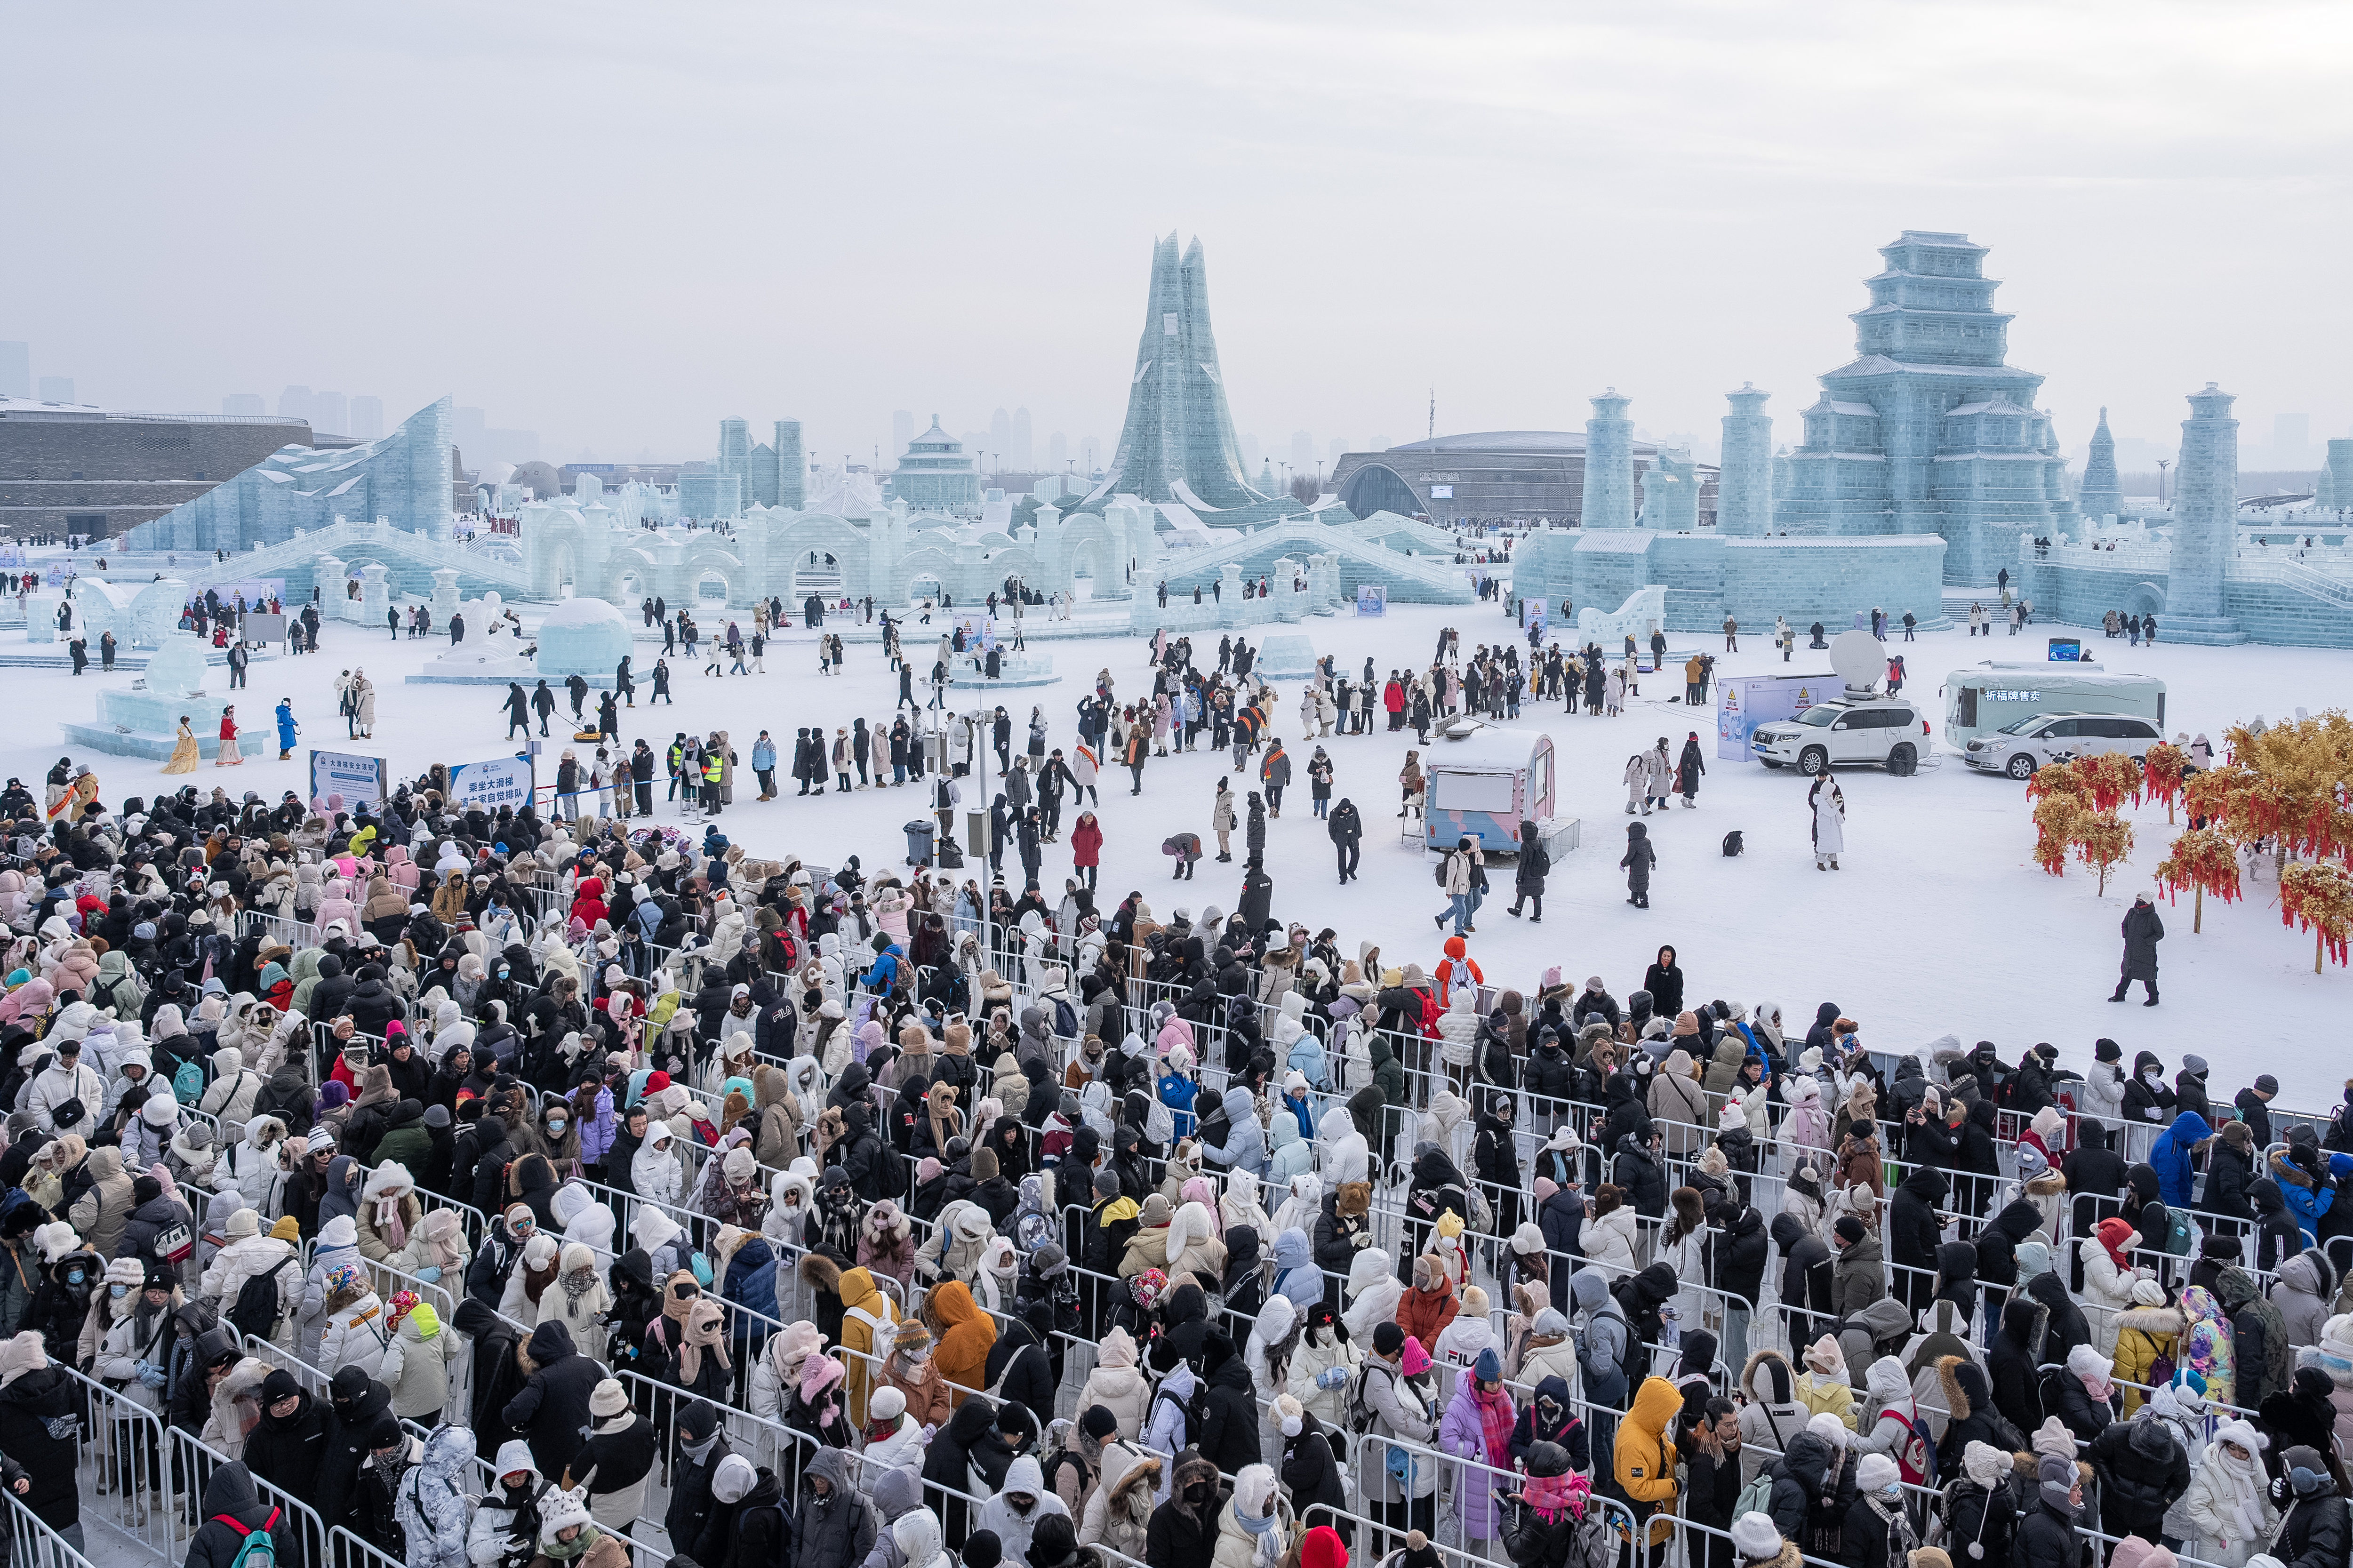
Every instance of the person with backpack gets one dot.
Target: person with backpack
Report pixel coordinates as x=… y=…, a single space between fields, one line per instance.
x=1642 y=1464
x=1383 y=1405
x=1976 y=1520
x=240 y=1530
x=1898 y=1430
x=434 y=1505
x=255 y=1281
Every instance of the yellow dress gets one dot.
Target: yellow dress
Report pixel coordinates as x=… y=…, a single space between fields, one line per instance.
x=184 y=756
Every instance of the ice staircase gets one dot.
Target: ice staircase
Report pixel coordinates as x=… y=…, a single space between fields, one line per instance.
x=411 y=559
x=1410 y=579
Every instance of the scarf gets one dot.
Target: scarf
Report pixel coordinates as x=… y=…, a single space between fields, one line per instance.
x=1548 y=1494
x=563 y=1551
x=1496 y=1419
x=2243 y=1481
x=578 y=1283
x=388 y=1223
x=1268 y=1546
x=702 y=1335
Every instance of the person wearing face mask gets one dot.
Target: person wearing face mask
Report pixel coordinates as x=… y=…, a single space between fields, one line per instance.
x=391 y=1452
x=1014 y=1512
x=288 y=1444
x=1184 y=1529
x=2148 y=1106
x=135 y=1314
x=1879 y=1532
x=2046 y=1537
x=554 y=1133
x=505 y=1530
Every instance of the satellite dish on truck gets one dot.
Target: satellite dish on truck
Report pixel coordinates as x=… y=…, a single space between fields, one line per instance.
x=1860 y=659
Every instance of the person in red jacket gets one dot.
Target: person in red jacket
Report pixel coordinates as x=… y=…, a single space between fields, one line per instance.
x=1086 y=847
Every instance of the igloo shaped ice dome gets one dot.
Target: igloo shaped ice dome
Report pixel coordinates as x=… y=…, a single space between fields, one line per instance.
x=582 y=636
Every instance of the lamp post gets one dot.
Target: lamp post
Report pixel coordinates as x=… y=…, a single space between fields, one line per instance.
x=2161 y=462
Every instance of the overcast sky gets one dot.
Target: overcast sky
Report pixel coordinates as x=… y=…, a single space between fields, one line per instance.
x=617 y=225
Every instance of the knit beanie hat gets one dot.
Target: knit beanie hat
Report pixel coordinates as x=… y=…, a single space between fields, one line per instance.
x=1754 y=1538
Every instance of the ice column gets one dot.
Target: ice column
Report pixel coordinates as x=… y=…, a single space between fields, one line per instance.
x=1743 y=502
x=1609 y=464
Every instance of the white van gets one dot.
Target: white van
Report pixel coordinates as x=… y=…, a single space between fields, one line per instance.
x=1984 y=699
x=2039 y=740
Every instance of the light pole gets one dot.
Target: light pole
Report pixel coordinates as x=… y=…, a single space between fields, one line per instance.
x=2161 y=462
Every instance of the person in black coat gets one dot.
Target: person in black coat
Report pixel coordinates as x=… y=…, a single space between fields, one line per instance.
x=2046 y=1537
x=753 y=1528
x=948 y=1461
x=497 y=1378
x=1664 y=981
x=2143 y=1472
x=2314 y=1531
x=1560 y=1214
x=1737 y=1250
x=2277 y=1235
x=553 y=1407
x=1813 y=1485
x=1229 y=1428
x=2142 y=932
x=1807 y=1276
x=288 y=1446
x=1639 y=1173
x=1018 y=1358
x=1913 y=1231
x=1711 y=1454
x=231 y=1493
x=701 y=1444
x=1184 y=1529
x=2012 y=1358
x=1550 y=1416
x=2230 y=1173
x=1310 y=1473
x=2063 y=1324
x=39 y=1432
x=355 y=1402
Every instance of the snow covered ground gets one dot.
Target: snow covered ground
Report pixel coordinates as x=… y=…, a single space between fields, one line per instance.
x=1940 y=923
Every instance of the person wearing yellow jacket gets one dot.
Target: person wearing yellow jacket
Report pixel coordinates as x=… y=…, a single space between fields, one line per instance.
x=868 y=1322
x=1642 y=1467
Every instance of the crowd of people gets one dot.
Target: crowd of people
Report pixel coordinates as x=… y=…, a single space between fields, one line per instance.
x=510 y=1191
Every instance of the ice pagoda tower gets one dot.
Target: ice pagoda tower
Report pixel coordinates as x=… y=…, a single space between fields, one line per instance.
x=2205 y=518
x=1744 y=501
x=1608 y=499
x=1179 y=442
x=1927 y=430
x=2099 y=496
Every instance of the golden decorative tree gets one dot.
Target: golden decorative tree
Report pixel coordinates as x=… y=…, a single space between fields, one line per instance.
x=2319 y=894
x=2204 y=861
x=2162 y=773
x=2104 y=840
x=2055 y=817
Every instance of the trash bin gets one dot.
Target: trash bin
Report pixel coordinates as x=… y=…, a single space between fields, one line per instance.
x=919 y=842
x=975 y=832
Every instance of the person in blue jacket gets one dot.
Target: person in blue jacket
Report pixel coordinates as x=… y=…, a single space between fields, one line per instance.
x=287 y=727
x=2170 y=1155
x=883 y=977
x=1178 y=1088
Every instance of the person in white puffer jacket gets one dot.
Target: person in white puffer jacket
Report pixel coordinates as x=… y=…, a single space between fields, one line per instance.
x=235 y=1086
x=356 y=1325
x=1322 y=1354
x=251 y=1253
x=338 y=1244
x=901 y=1445
x=252 y=1165
x=654 y=1169
x=1117 y=1385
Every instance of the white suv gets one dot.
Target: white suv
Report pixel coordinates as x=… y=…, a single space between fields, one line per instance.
x=2035 y=742
x=1885 y=732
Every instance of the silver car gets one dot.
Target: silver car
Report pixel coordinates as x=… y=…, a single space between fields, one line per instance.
x=2023 y=748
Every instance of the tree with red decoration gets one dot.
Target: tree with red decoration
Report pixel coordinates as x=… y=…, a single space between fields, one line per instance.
x=2104 y=840
x=2204 y=861
x=2161 y=774
x=2319 y=894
